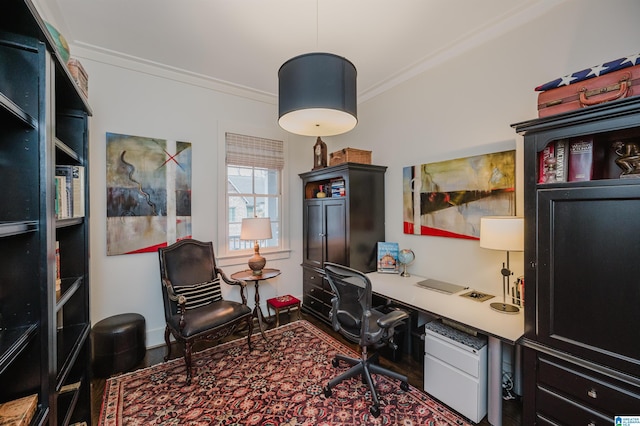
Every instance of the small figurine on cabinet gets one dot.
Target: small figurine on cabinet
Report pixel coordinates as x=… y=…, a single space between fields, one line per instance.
x=628 y=158
x=319 y=155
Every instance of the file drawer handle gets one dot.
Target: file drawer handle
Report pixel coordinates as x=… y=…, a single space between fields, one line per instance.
x=592 y=393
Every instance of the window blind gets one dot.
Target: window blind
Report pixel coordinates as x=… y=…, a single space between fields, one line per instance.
x=251 y=151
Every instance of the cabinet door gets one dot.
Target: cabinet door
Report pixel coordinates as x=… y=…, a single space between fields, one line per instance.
x=313 y=233
x=335 y=232
x=587 y=273
x=324 y=232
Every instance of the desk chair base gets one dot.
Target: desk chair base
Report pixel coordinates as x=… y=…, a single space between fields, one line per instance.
x=365 y=367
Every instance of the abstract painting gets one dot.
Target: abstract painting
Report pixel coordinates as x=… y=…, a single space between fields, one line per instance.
x=148 y=193
x=448 y=198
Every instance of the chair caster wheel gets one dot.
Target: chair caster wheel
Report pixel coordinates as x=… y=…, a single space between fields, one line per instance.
x=335 y=362
x=404 y=386
x=327 y=391
x=375 y=411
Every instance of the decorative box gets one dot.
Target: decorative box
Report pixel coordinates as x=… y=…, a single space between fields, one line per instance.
x=79 y=75
x=350 y=155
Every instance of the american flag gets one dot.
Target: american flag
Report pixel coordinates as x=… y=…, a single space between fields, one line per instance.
x=595 y=71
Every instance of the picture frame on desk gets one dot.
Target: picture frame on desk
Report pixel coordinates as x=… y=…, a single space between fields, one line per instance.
x=387 y=259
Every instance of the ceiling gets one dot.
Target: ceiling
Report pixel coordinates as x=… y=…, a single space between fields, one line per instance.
x=242 y=43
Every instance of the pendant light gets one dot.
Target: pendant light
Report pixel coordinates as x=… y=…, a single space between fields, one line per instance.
x=317 y=95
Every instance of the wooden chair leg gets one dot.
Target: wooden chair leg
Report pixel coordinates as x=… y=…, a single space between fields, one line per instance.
x=187 y=360
x=167 y=340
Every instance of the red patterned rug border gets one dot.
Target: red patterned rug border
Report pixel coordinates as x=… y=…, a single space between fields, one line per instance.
x=111 y=413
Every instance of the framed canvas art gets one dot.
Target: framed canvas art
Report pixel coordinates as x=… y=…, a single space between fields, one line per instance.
x=448 y=198
x=148 y=193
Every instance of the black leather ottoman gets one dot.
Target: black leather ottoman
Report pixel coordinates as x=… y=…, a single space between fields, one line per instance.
x=118 y=343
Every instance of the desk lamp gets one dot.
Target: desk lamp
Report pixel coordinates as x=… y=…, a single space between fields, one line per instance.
x=256 y=228
x=503 y=233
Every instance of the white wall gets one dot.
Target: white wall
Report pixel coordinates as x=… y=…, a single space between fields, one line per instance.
x=130 y=99
x=463 y=107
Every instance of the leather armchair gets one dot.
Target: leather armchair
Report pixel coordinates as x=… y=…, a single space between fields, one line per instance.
x=353 y=316
x=193 y=305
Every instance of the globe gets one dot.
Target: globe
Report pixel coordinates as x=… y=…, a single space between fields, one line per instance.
x=406 y=257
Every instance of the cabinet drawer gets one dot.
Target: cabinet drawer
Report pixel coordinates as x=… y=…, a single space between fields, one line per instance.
x=316 y=305
x=567 y=412
x=315 y=285
x=463 y=359
x=319 y=294
x=314 y=277
x=577 y=384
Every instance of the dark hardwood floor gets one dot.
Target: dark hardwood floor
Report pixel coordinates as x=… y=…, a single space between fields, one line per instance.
x=407 y=365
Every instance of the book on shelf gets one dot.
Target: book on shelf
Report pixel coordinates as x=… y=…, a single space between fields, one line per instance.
x=58 y=276
x=388 y=257
x=547 y=164
x=78 y=190
x=562 y=160
x=18 y=412
x=582 y=160
x=66 y=197
x=61 y=206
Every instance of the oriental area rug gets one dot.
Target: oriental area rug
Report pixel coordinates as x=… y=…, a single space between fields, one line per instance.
x=276 y=384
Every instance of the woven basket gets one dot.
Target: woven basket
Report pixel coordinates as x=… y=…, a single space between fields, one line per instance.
x=350 y=155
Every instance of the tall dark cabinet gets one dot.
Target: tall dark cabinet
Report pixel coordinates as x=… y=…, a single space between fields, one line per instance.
x=343 y=227
x=582 y=291
x=44 y=330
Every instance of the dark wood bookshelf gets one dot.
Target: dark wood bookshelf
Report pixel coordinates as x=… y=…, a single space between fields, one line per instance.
x=44 y=335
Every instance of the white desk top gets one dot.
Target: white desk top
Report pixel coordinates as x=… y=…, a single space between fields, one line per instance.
x=474 y=314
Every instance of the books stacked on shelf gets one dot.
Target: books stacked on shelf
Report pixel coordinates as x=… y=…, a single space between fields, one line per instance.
x=337 y=188
x=69 y=183
x=569 y=160
x=388 y=257
x=517 y=292
x=18 y=412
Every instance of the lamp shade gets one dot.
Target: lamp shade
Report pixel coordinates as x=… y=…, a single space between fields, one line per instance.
x=317 y=95
x=502 y=233
x=256 y=228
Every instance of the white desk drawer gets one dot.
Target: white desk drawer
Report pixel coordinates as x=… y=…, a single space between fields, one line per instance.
x=461 y=357
x=463 y=393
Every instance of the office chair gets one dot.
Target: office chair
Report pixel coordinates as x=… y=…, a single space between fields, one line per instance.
x=352 y=315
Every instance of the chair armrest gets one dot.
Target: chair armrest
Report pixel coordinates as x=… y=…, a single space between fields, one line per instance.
x=241 y=283
x=392 y=318
x=180 y=300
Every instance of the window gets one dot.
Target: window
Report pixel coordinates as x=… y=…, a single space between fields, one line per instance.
x=253 y=187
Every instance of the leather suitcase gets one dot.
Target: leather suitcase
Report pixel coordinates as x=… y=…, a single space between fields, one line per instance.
x=605 y=88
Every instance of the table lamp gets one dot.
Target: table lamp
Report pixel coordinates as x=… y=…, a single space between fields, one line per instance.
x=256 y=228
x=503 y=233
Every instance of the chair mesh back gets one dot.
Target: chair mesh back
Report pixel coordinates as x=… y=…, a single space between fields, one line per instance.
x=353 y=291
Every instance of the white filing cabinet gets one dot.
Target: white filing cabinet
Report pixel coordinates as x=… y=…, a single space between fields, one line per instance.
x=455 y=369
